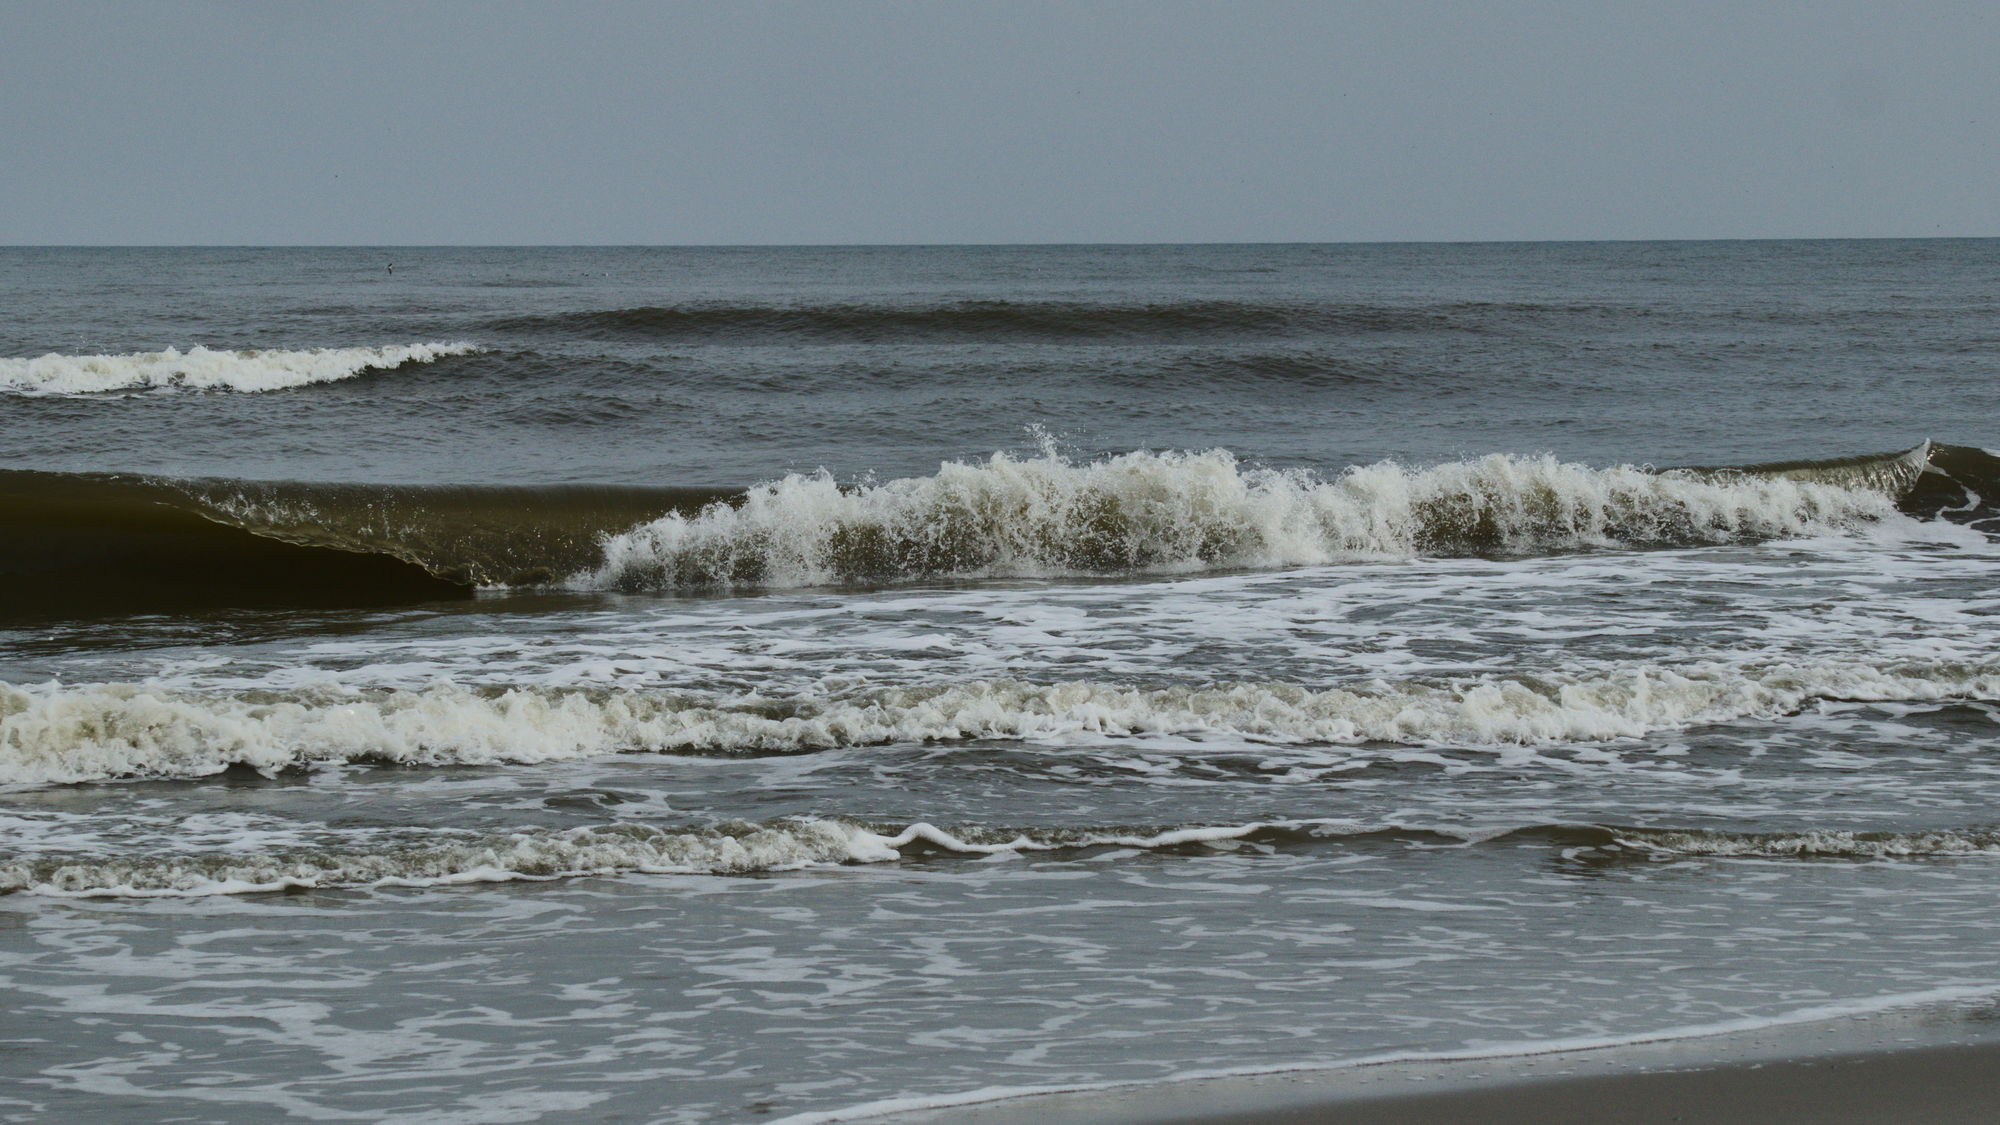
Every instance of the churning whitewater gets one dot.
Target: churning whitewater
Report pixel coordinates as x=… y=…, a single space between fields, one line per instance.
x=55 y=733
x=200 y=369
x=1174 y=513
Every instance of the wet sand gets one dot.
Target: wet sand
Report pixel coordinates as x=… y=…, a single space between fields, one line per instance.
x=1926 y=1086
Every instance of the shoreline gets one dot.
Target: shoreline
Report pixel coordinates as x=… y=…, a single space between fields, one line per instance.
x=1933 y=1064
x=1951 y=1085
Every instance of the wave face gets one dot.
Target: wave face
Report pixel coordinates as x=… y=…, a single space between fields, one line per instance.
x=200 y=369
x=1164 y=513
x=51 y=734
x=91 y=543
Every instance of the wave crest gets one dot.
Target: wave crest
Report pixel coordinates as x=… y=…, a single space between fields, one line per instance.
x=202 y=369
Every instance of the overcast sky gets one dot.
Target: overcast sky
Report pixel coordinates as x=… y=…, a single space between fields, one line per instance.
x=942 y=121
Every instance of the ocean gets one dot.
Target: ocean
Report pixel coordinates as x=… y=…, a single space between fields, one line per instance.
x=749 y=684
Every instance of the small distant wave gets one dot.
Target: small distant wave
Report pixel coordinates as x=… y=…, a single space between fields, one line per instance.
x=56 y=733
x=1007 y=321
x=198 y=368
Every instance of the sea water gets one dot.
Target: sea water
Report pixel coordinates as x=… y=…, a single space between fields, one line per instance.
x=702 y=685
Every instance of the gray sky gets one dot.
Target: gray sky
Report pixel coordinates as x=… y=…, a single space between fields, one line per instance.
x=942 y=121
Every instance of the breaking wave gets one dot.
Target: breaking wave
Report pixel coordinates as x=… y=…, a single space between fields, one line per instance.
x=115 y=543
x=54 y=733
x=1166 y=513
x=198 y=368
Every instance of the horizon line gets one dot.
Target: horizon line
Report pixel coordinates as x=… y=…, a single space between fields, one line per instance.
x=959 y=245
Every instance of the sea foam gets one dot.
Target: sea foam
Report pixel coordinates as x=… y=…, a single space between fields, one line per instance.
x=54 y=733
x=199 y=368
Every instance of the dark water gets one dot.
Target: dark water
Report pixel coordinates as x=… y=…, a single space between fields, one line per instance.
x=724 y=684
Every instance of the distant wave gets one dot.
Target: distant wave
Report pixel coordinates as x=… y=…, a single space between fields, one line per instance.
x=433 y=857
x=1010 y=321
x=1082 y=321
x=113 y=543
x=55 y=733
x=201 y=369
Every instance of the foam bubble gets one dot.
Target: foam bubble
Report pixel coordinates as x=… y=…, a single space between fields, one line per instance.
x=201 y=369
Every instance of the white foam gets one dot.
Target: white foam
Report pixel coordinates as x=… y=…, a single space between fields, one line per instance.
x=1183 y=512
x=53 y=733
x=201 y=369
